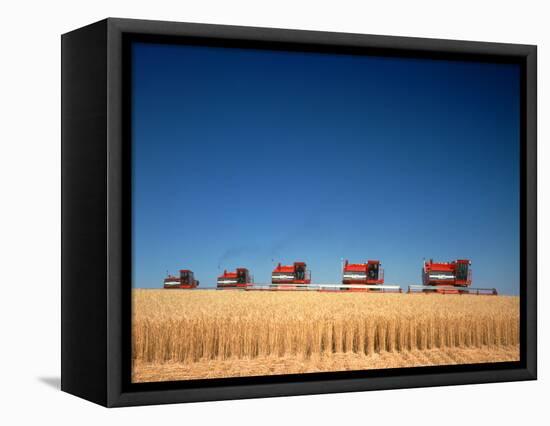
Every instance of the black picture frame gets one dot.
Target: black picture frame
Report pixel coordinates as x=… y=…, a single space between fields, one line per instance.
x=96 y=214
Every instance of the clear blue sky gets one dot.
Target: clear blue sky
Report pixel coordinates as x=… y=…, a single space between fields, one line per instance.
x=248 y=157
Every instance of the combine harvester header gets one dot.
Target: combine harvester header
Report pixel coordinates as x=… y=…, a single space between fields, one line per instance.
x=448 y=278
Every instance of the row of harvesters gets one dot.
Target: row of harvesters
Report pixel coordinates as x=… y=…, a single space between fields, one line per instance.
x=437 y=277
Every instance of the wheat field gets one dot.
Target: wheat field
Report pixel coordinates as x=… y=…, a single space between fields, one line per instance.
x=179 y=334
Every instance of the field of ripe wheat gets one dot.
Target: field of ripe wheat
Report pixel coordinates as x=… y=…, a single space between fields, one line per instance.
x=178 y=334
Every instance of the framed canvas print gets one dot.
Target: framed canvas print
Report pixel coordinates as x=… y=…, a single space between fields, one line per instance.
x=254 y=212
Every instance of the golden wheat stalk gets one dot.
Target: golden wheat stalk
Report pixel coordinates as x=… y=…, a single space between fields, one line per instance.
x=188 y=326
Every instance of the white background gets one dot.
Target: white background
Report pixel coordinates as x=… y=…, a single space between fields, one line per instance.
x=30 y=210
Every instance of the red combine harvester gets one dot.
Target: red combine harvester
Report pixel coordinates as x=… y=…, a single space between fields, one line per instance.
x=449 y=278
x=368 y=273
x=287 y=276
x=368 y=276
x=241 y=278
x=186 y=280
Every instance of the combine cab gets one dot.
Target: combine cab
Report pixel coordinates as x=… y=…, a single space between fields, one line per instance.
x=287 y=276
x=241 y=278
x=186 y=280
x=361 y=274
